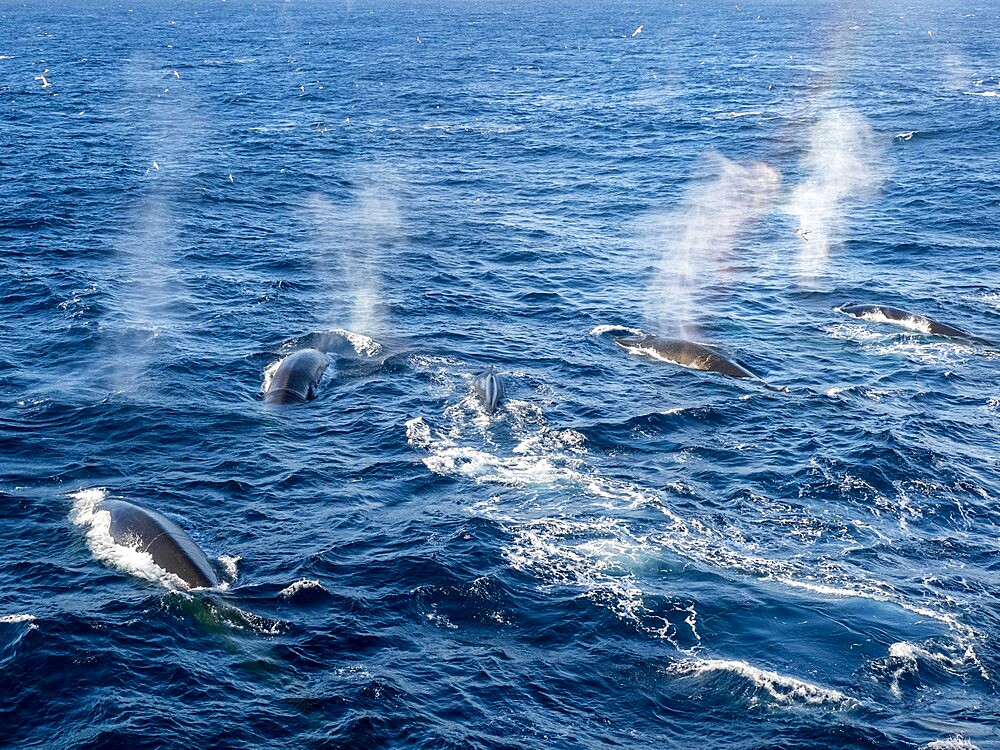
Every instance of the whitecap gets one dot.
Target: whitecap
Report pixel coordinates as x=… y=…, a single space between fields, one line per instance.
x=303 y=584
x=440 y=620
x=950 y=743
x=603 y=329
x=10 y=619
x=735 y=115
x=991 y=298
x=781 y=688
x=904 y=659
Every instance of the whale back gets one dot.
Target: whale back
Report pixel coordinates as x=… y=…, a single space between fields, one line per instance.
x=296 y=378
x=166 y=542
x=489 y=389
x=684 y=353
x=906 y=319
x=886 y=313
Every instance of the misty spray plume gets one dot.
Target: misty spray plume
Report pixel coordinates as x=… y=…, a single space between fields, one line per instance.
x=697 y=239
x=146 y=276
x=352 y=238
x=843 y=162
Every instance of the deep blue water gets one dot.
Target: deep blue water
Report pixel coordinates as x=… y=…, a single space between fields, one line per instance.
x=629 y=553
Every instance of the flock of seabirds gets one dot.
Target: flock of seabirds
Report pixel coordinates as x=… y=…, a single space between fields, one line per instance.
x=297 y=377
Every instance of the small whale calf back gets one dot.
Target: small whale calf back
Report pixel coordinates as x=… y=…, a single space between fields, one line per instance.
x=166 y=542
x=297 y=377
x=489 y=389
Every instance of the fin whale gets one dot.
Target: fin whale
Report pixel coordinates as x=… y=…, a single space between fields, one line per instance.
x=689 y=354
x=489 y=389
x=296 y=378
x=166 y=542
x=684 y=353
x=914 y=321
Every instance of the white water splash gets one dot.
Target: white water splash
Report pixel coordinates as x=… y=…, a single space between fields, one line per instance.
x=950 y=743
x=268 y=375
x=654 y=353
x=229 y=565
x=96 y=525
x=912 y=322
x=365 y=346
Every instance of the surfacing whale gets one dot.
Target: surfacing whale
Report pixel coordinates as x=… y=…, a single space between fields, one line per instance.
x=913 y=321
x=296 y=378
x=489 y=389
x=684 y=353
x=166 y=542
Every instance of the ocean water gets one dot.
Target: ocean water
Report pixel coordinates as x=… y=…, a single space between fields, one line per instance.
x=628 y=553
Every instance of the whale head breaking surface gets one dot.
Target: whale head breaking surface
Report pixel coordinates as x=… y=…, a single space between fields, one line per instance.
x=164 y=541
x=297 y=377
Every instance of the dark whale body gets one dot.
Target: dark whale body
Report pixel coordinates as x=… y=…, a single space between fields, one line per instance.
x=166 y=542
x=489 y=389
x=684 y=353
x=885 y=313
x=297 y=376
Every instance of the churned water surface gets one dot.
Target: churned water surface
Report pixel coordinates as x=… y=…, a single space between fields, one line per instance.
x=628 y=553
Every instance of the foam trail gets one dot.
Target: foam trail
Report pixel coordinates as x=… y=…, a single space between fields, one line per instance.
x=843 y=162
x=697 y=238
x=572 y=526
